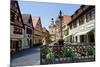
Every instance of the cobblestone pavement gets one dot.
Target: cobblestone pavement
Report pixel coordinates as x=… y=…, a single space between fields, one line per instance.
x=27 y=57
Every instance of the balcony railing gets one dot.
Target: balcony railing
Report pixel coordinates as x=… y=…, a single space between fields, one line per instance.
x=67 y=54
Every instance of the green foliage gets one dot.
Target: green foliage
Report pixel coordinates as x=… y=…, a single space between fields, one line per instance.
x=58 y=54
x=45 y=51
x=66 y=32
x=68 y=52
x=50 y=55
x=89 y=50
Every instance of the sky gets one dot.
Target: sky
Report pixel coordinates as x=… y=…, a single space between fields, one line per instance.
x=46 y=11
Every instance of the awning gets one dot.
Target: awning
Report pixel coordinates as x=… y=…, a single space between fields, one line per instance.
x=82 y=33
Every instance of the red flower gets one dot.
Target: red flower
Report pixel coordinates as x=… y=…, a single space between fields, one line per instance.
x=78 y=49
x=56 y=49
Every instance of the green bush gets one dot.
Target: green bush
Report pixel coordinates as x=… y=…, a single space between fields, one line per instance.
x=89 y=50
x=66 y=32
x=58 y=53
x=45 y=51
x=50 y=55
x=68 y=52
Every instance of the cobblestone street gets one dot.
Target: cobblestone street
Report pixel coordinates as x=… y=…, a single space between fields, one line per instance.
x=26 y=57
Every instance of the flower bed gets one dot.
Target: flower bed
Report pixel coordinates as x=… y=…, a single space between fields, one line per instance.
x=67 y=54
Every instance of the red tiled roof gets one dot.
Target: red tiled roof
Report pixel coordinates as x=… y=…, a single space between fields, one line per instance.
x=66 y=19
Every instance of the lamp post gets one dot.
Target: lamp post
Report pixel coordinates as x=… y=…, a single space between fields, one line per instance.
x=61 y=35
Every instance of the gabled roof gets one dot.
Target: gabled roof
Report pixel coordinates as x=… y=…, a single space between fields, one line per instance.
x=45 y=30
x=65 y=20
x=35 y=20
x=25 y=18
x=19 y=12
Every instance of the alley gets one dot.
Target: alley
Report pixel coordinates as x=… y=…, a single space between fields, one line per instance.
x=26 y=57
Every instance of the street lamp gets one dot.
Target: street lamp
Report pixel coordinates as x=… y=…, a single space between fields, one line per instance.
x=61 y=35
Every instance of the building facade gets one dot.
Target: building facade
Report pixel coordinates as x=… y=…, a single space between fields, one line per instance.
x=54 y=28
x=52 y=31
x=16 y=27
x=65 y=29
x=45 y=39
x=82 y=26
x=65 y=20
x=28 y=36
x=38 y=32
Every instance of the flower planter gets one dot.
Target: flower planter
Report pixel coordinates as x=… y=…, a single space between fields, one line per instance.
x=43 y=61
x=77 y=57
x=61 y=59
x=92 y=56
x=89 y=56
x=86 y=57
x=57 y=59
x=82 y=57
x=64 y=59
x=66 y=54
x=68 y=60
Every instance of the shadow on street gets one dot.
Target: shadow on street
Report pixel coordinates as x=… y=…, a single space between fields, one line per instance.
x=25 y=52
